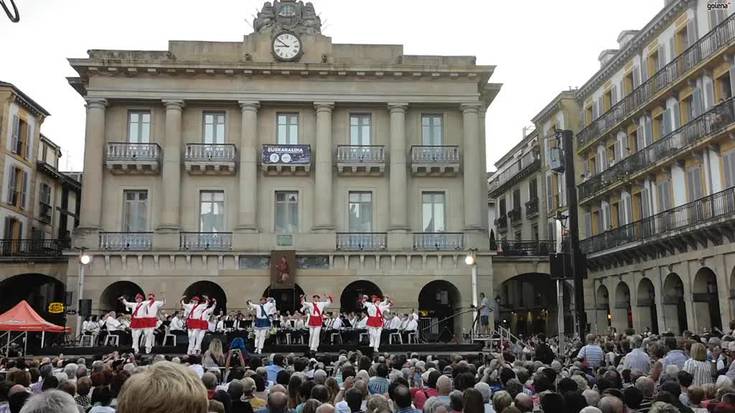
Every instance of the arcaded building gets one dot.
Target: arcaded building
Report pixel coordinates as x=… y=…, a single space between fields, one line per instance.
x=206 y=163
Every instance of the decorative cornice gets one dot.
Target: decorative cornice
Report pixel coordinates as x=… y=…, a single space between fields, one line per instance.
x=554 y=105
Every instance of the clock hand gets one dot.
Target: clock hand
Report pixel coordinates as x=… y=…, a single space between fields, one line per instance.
x=281 y=42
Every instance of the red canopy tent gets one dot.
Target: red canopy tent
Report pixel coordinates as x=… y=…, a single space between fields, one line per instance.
x=22 y=318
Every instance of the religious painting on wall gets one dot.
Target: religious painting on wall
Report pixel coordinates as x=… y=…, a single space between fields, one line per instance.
x=283 y=269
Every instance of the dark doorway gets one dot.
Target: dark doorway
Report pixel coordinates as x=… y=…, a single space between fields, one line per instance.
x=351 y=294
x=438 y=301
x=38 y=290
x=286 y=299
x=211 y=290
x=109 y=300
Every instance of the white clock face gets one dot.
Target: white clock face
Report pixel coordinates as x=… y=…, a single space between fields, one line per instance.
x=286 y=46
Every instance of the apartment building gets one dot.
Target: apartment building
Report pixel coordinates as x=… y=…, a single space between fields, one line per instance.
x=38 y=207
x=656 y=190
x=360 y=165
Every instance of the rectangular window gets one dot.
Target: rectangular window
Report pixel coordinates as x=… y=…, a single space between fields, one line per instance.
x=501 y=207
x=211 y=211
x=139 y=126
x=19 y=137
x=361 y=211
x=431 y=129
x=681 y=40
x=663 y=190
x=135 y=211
x=287 y=212
x=694 y=184
x=516 y=199
x=287 y=125
x=658 y=126
x=534 y=232
x=646 y=203
x=17 y=182
x=433 y=212
x=214 y=127
x=728 y=161
x=532 y=189
x=360 y=125
x=44 y=201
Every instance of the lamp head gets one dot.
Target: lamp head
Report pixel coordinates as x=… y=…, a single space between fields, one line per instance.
x=85 y=259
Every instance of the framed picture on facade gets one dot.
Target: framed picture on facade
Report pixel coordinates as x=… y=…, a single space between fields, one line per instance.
x=283 y=269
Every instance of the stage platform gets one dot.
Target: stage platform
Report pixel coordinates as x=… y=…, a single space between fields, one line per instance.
x=421 y=349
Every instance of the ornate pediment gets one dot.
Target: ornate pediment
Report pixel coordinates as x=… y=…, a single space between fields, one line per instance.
x=291 y=15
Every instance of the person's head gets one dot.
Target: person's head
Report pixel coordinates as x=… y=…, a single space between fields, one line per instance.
x=574 y=402
x=632 y=397
x=377 y=404
x=163 y=387
x=523 y=402
x=209 y=380
x=381 y=370
x=353 y=397
x=401 y=396
x=311 y=405
x=698 y=352
x=68 y=387
x=102 y=395
x=501 y=400
x=444 y=385
x=320 y=392
x=325 y=408
x=277 y=402
x=695 y=395
x=591 y=396
x=50 y=383
x=456 y=400
x=473 y=401
x=482 y=295
x=611 y=404
x=138 y=297
x=484 y=390
x=685 y=378
x=646 y=385
x=591 y=338
x=52 y=401
x=234 y=389
x=320 y=376
x=71 y=371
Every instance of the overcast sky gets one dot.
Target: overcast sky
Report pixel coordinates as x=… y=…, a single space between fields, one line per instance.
x=540 y=47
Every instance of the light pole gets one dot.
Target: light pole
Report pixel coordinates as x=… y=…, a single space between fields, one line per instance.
x=471 y=260
x=84 y=259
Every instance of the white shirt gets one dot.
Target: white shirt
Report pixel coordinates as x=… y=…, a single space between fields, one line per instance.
x=395 y=323
x=412 y=325
x=298 y=324
x=308 y=307
x=337 y=324
x=112 y=324
x=372 y=309
x=177 y=324
x=362 y=323
x=269 y=307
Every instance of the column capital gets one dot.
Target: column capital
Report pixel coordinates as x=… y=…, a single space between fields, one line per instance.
x=95 y=103
x=471 y=107
x=324 y=106
x=176 y=104
x=248 y=105
x=397 y=107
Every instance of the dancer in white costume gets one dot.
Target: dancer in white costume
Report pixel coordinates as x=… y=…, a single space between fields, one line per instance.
x=197 y=315
x=151 y=309
x=376 y=318
x=315 y=310
x=263 y=313
x=138 y=320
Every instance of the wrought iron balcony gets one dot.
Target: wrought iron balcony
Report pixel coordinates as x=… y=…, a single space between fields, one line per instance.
x=206 y=241
x=31 y=248
x=709 y=45
x=361 y=241
x=706 y=217
x=361 y=160
x=438 y=241
x=517 y=170
x=501 y=223
x=210 y=159
x=126 y=241
x=133 y=158
x=515 y=216
x=696 y=131
x=532 y=208
x=435 y=160
x=537 y=248
x=286 y=159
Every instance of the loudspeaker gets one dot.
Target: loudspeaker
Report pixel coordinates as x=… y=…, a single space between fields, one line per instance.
x=85 y=307
x=68 y=298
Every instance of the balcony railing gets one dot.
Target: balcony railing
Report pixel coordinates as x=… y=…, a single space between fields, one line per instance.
x=32 y=247
x=515 y=216
x=532 y=208
x=537 y=248
x=710 y=122
x=438 y=241
x=719 y=37
x=133 y=152
x=361 y=241
x=501 y=223
x=517 y=170
x=126 y=241
x=361 y=159
x=206 y=241
x=206 y=152
x=709 y=209
x=435 y=160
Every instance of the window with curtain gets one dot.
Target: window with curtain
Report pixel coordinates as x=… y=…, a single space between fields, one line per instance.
x=361 y=211
x=431 y=129
x=214 y=127
x=287 y=212
x=433 y=212
x=139 y=126
x=360 y=124
x=211 y=211
x=287 y=128
x=135 y=211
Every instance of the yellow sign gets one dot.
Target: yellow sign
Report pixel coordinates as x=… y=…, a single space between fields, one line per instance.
x=56 y=308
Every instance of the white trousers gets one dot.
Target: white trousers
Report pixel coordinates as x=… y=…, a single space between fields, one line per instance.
x=195 y=341
x=148 y=339
x=314 y=333
x=374 y=333
x=136 y=332
x=260 y=334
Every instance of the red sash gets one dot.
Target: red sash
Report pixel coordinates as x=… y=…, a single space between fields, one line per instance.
x=315 y=320
x=135 y=321
x=377 y=320
x=150 y=322
x=192 y=323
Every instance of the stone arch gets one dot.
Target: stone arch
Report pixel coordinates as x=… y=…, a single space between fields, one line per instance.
x=646 y=313
x=211 y=290
x=37 y=289
x=705 y=299
x=602 y=310
x=674 y=308
x=622 y=314
x=109 y=298
x=528 y=305
x=439 y=300
x=351 y=293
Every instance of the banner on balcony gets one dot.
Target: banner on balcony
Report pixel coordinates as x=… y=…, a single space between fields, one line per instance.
x=286 y=154
x=283 y=269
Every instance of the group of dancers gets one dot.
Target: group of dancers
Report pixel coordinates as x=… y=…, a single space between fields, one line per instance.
x=197 y=312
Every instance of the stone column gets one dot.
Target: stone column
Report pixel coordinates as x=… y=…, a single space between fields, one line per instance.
x=398 y=174
x=171 y=170
x=94 y=144
x=323 y=188
x=472 y=173
x=248 y=189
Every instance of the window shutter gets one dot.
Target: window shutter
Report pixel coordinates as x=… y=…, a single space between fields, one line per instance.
x=628 y=216
x=696 y=102
x=676 y=116
x=640 y=137
x=637 y=77
x=600 y=107
x=29 y=141
x=672 y=50
x=644 y=71
x=22 y=187
x=709 y=96
x=691 y=34
x=645 y=203
x=605 y=216
x=667 y=122
x=732 y=84
x=588 y=224
x=661 y=57
x=621 y=91
x=613 y=95
x=11 y=186
x=549 y=191
x=649 y=131
x=728 y=162
x=16 y=132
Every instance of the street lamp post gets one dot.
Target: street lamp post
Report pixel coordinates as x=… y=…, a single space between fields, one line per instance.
x=84 y=259
x=471 y=260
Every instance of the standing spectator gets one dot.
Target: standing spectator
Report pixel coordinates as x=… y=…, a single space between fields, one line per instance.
x=698 y=366
x=637 y=359
x=591 y=354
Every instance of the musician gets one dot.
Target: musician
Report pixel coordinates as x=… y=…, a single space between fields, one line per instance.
x=337 y=322
x=315 y=310
x=177 y=323
x=263 y=313
x=376 y=310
